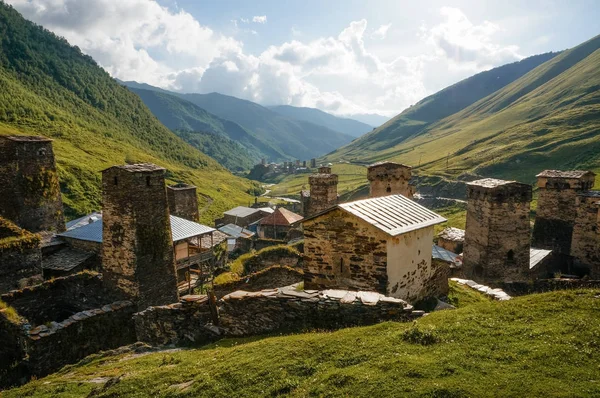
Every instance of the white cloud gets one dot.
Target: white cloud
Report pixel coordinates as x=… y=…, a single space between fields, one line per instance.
x=381 y=32
x=140 y=40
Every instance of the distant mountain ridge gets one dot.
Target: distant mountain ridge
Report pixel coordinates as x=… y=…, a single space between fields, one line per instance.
x=316 y=116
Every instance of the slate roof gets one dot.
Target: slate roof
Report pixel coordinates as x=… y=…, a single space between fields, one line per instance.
x=564 y=174
x=66 y=259
x=236 y=231
x=453 y=234
x=281 y=216
x=241 y=211
x=393 y=214
x=180 y=229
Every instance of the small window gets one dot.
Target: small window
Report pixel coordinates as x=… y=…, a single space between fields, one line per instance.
x=148 y=181
x=341 y=265
x=41 y=152
x=510 y=257
x=116 y=181
x=389 y=190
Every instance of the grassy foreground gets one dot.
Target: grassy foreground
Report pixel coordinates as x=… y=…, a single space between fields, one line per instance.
x=537 y=345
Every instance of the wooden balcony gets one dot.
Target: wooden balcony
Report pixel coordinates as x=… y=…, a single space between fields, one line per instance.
x=195 y=259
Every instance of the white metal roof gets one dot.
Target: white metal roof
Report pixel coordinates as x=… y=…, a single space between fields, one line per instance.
x=241 y=211
x=393 y=214
x=537 y=255
x=180 y=229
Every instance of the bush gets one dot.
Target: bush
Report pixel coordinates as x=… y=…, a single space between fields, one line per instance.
x=416 y=335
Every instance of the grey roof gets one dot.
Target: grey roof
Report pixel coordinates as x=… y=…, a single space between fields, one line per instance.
x=241 y=211
x=564 y=174
x=440 y=253
x=81 y=221
x=536 y=256
x=393 y=214
x=66 y=259
x=236 y=231
x=453 y=234
x=180 y=229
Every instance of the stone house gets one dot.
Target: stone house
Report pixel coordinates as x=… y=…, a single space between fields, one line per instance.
x=243 y=216
x=585 y=246
x=390 y=178
x=380 y=244
x=278 y=224
x=20 y=256
x=452 y=239
x=183 y=201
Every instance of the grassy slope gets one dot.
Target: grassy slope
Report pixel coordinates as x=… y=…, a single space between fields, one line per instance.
x=48 y=87
x=181 y=115
x=549 y=118
x=538 y=345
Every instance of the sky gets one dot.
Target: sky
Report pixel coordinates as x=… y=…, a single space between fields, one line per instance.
x=343 y=57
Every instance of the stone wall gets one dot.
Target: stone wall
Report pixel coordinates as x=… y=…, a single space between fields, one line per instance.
x=137 y=251
x=323 y=193
x=260 y=244
x=51 y=347
x=57 y=299
x=269 y=256
x=182 y=323
x=585 y=246
x=389 y=178
x=12 y=349
x=20 y=259
x=275 y=276
x=183 y=201
x=283 y=310
x=29 y=187
x=497 y=235
x=85 y=245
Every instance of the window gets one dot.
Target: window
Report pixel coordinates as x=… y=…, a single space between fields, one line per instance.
x=388 y=189
x=116 y=181
x=341 y=266
x=148 y=181
x=41 y=152
x=510 y=257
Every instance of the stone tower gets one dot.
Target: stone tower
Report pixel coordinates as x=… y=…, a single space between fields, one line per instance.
x=390 y=178
x=557 y=208
x=183 y=201
x=29 y=189
x=137 y=248
x=323 y=192
x=585 y=245
x=497 y=236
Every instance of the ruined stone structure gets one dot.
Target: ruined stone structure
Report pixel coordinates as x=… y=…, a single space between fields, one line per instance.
x=557 y=207
x=381 y=244
x=183 y=201
x=137 y=251
x=585 y=246
x=20 y=256
x=390 y=178
x=452 y=239
x=268 y=278
x=497 y=236
x=29 y=190
x=323 y=192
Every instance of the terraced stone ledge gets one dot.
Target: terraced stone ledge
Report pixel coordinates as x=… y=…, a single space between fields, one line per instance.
x=496 y=294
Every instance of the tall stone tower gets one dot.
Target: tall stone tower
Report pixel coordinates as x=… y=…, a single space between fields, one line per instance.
x=183 y=201
x=497 y=242
x=390 y=178
x=323 y=192
x=585 y=245
x=29 y=189
x=557 y=207
x=137 y=248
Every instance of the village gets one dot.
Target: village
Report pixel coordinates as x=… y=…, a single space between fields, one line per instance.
x=142 y=268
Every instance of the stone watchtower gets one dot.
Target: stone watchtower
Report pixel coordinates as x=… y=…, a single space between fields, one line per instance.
x=137 y=248
x=29 y=189
x=557 y=207
x=390 y=178
x=323 y=192
x=183 y=201
x=497 y=242
x=585 y=245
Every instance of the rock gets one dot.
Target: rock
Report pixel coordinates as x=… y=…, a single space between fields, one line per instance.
x=369 y=298
x=443 y=306
x=334 y=293
x=349 y=297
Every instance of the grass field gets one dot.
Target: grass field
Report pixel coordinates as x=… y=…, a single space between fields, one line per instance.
x=542 y=345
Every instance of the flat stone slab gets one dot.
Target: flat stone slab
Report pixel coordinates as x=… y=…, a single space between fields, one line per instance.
x=296 y=293
x=335 y=293
x=349 y=297
x=393 y=300
x=369 y=298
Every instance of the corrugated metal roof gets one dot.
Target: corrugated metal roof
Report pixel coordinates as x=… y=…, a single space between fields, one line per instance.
x=81 y=221
x=393 y=214
x=236 y=231
x=537 y=255
x=440 y=253
x=180 y=229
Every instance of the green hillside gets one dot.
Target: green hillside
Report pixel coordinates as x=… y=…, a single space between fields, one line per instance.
x=235 y=148
x=535 y=346
x=48 y=87
x=316 y=116
x=547 y=118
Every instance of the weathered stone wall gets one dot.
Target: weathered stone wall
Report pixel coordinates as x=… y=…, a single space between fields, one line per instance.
x=137 y=252
x=272 y=277
x=183 y=201
x=497 y=236
x=323 y=193
x=279 y=232
x=85 y=245
x=260 y=244
x=267 y=257
x=18 y=262
x=585 y=246
x=246 y=313
x=51 y=347
x=179 y=323
x=342 y=252
x=389 y=178
x=557 y=210
x=452 y=239
x=29 y=188
x=12 y=349
x=57 y=299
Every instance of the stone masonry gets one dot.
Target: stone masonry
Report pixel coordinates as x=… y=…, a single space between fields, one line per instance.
x=183 y=201
x=585 y=246
x=29 y=190
x=20 y=255
x=557 y=207
x=137 y=252
x=497 y=236
x=390 y=178
x=323 y=192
